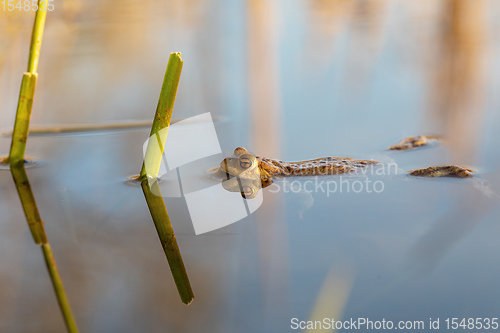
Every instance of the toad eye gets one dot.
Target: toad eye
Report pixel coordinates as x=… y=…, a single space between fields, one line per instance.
x=246 y=161
x=248 y=192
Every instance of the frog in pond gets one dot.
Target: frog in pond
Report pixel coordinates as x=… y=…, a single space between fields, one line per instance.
x=247 y=173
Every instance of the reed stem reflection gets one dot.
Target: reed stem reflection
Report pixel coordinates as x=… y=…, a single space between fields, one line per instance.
x=163 y=226
x=37 y=230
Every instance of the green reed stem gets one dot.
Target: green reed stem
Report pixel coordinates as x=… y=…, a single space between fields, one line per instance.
x=16 y=161
x=62 y=299
x=27 y=93
x=23 y=115
x=149 y=174
x=163 y=116
x=36 y=38
x=168 y=241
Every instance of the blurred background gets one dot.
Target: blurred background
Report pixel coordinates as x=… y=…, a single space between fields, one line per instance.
x=293 y=80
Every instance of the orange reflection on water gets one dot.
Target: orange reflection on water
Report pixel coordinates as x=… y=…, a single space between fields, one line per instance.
x=265 y=113
x=456 y=85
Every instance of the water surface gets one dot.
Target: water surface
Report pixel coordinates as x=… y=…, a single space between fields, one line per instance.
x=290 y=80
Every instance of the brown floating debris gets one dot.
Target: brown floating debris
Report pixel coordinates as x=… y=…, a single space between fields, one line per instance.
x=415 y=141
x=443 y=171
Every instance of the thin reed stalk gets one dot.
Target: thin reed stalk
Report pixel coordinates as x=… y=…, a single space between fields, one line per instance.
x=27 y=91
x=163 y=116
x=23 y=115
x=149 y=174
x=16 y=161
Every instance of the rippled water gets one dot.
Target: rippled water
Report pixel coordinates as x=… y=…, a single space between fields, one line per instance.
x=288 y=80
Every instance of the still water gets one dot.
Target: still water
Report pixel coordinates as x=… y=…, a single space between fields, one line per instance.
x=291 y=80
